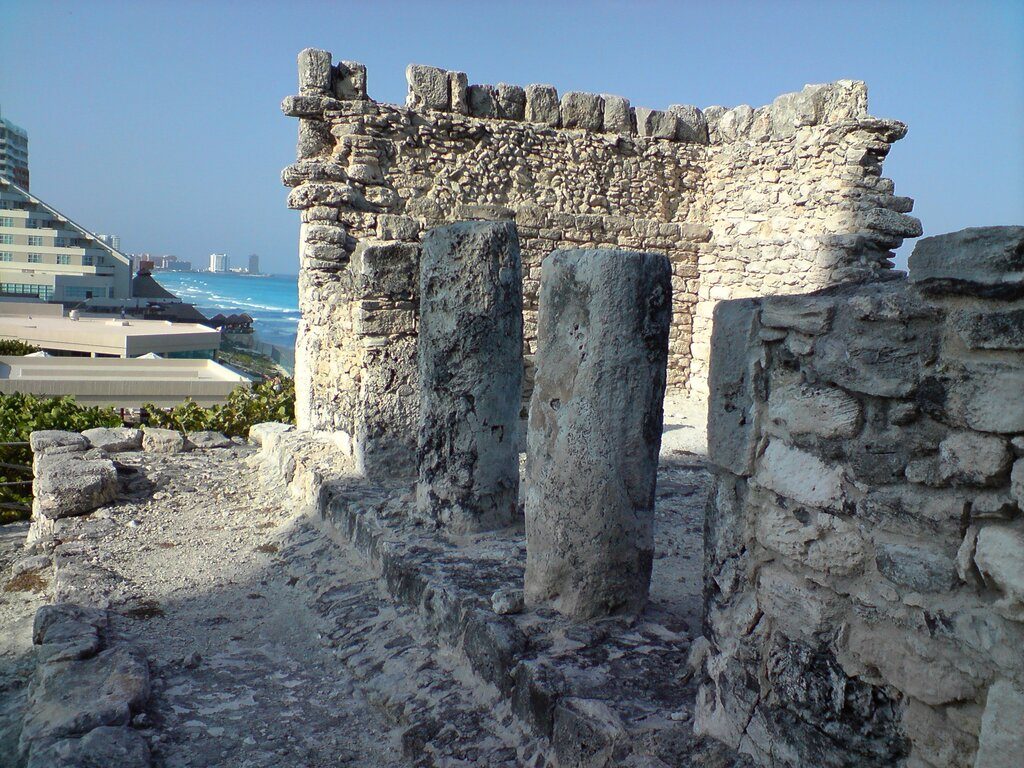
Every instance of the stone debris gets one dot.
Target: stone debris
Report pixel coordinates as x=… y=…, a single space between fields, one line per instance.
x=114 y=439
x=67 y=484
x=595 y=430
x=156 y=440
x=207 y=440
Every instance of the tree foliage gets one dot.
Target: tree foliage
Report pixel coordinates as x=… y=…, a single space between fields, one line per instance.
x=270 y=400
x=15 y=347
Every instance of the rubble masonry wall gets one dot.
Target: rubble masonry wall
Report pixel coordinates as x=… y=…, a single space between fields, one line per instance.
x=864 y=545
x=781 y=199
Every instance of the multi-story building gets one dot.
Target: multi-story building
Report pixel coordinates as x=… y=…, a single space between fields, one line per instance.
x=43 y=254
x=219 y=262
x=254 y=264
x=114 y=241
x=13 y=153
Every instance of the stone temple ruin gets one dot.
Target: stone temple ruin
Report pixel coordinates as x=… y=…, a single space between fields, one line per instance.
x=489 y=254
x=864 y=549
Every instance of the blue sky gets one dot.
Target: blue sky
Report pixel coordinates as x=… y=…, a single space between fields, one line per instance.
x=160 y=121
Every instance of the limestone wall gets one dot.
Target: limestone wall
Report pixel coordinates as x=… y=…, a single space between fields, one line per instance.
x=864 y=553
x=784 y=198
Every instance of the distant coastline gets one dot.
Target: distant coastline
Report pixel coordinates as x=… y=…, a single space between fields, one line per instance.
x=272 y=301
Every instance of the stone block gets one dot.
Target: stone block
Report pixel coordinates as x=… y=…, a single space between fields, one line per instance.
x=999 y=556
x=735 y=123
x=350 y=80
x=542 y=105
x=990 y=330
x=655 y=124
x=1017 y=482
x=891 y=224
x=921 y=568
x=386 y=269
x=734 y=406
x=971 y=458
x=618 y=117
x=44 y=440
x=315 y=139
x=155 y=440
x=799 y=608
x=470 y=374
x=483 y=100
x=1001 y=741
x=691 y=125
x=428 y=88
x=75 y=486
x=800 y=476
x=458 y=86
x=403 y=228
x=510 y=101
x=314 y=71
x=208 y=439
x=582 y=110
x=979 y=261
x=806 y=409
x=595 y=429
x=791 y=111
x=114 y=439
x=806 y=314
x=71 y=699
x=258 y=433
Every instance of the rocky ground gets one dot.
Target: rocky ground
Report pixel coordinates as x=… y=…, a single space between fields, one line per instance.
x=270 y=645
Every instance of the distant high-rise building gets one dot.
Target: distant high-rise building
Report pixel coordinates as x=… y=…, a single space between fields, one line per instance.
x=13 y=153
x=254 y=264
x=219 y=262
x=45 y=255
x=114 y=241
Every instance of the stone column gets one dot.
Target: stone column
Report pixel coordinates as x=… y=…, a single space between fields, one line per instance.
x=595 y=429
x=470 y=371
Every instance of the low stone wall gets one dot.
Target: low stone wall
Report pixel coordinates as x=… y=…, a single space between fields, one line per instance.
x=864 y=553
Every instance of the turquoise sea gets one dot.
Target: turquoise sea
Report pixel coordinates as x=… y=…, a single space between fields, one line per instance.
x=271 y=300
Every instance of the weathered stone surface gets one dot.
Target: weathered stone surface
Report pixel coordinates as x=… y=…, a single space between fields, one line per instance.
x=66 y=631
x=595 y=430
x=795 y=604
x=800 y=476
x=802 y=409
x=470 y=373
x=44 y=440
x=507 y=601
x=542 y=105
x=510 y=101
x=655 y=123
x=350 y=80
x=990 y=330
x=258 y=433
x=458 y=87
x=114 y=439
x=810 y=316
x=156 y=440
x=483 y=100
x=983 y=261
x=691 y=124
x=618 y=117
x=101 y=747
x=918 y=567
x=1017 y=482
x=582 y=110
x=732 y=434
x=314 y=71
x=75 y=486
x=1001 y=741
x=791 y=111
x=208 y=439
x=428 y=88
x=974 y=459
x=999 y=556
x=72 y=698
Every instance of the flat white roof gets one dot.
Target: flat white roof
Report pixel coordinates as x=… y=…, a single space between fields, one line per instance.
x=118 y=382
x=108 y=336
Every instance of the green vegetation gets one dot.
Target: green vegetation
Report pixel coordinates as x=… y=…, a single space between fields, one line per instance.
x=270 y=400
x=22 y=414
x=15 y=347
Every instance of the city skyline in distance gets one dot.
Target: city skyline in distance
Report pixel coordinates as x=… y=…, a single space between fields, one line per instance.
x=179 y=141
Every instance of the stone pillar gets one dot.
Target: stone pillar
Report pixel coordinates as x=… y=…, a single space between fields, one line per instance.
x=595 y=429
x=470 y=371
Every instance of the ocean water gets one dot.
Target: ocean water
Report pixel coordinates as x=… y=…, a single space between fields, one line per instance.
x=272 y=300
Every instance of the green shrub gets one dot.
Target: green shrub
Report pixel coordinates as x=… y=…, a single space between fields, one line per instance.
x=15 y=347
x=20 y=415
x=270 y=400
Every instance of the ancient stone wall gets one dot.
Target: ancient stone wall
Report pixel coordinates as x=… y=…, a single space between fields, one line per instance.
x=784 y=198
x=864 y=552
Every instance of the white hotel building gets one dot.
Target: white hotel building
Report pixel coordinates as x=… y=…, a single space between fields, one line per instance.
x=45 y=255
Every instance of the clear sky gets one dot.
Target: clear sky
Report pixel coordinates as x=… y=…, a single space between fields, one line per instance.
x=160 y=121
